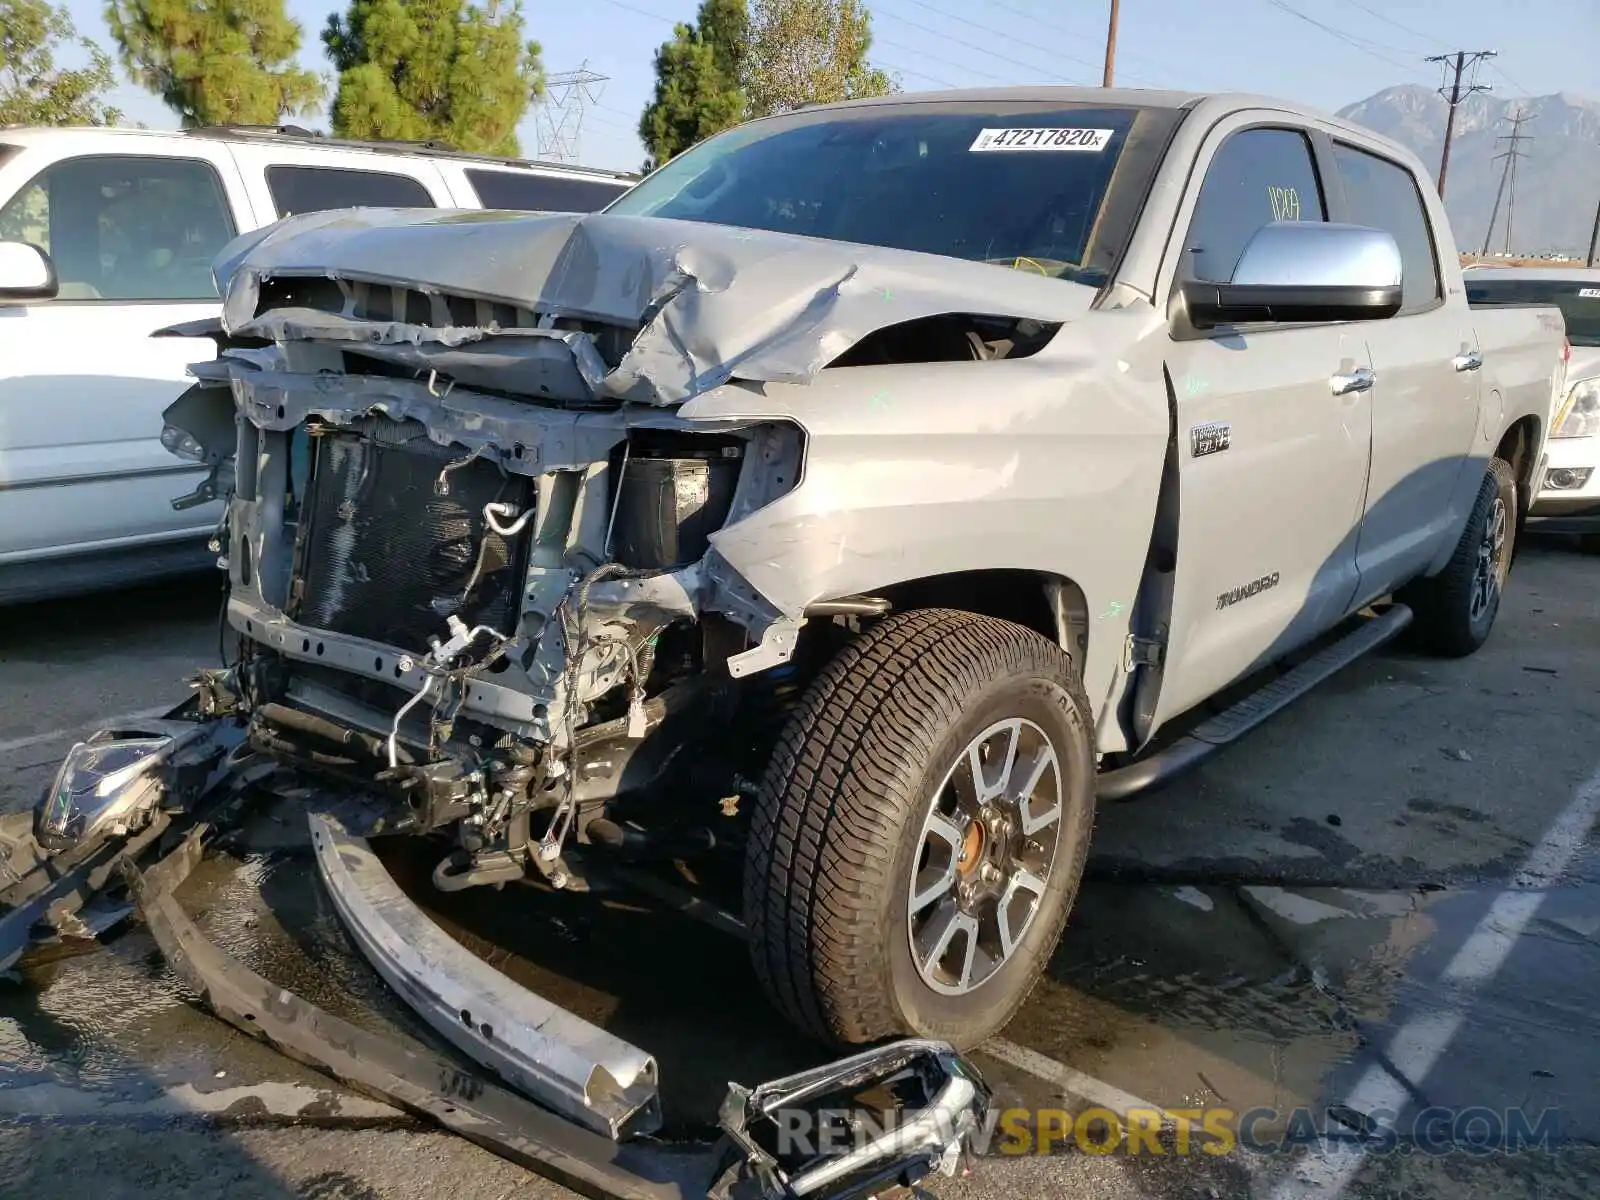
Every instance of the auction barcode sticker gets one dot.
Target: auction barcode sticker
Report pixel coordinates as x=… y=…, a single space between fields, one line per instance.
x=1041 y=139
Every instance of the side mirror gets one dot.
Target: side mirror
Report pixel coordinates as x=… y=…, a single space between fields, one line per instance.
x=1303 y=271
x=26 y=274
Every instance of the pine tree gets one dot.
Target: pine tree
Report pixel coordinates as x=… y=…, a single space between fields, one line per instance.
x=433 y=70
x=809 y=51
x=33 y=89
x=216 y=62
x=697 y=81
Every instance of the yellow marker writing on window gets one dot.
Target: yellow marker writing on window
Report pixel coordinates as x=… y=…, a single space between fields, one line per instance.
x=1285 y=203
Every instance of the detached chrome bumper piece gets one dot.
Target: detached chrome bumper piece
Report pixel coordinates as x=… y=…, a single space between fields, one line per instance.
x=576 y=1068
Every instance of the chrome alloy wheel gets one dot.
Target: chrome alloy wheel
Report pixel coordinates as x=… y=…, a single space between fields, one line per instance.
x=1488 y=572
x=984 y=856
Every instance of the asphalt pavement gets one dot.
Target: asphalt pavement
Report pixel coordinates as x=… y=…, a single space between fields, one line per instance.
x=1384 y=903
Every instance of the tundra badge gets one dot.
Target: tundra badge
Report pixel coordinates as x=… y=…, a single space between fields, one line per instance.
x=1254 y=587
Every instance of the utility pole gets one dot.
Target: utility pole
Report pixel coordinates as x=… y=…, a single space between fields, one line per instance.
x=1111 y=46
x=1594 y=234
x=1456 y=64
x=1508 y=173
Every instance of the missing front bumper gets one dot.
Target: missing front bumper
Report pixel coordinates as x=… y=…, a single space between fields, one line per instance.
x=592 y=1090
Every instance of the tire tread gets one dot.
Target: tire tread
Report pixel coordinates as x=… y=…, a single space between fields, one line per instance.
x=1441 y=603
x=844 y=773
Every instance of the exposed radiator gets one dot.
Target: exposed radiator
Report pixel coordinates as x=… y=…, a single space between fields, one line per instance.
x=386 y=557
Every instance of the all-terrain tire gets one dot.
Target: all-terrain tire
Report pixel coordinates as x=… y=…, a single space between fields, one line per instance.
x=1445 y=622
x=836 y=830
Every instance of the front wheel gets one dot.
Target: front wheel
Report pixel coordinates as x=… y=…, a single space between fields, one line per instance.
x=921 y=831
x=1455 y=609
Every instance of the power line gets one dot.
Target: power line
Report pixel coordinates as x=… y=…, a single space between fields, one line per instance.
x=989 y=29
x=1076 y=35
x=1387 y=20
x=948 y=62
x=876 y=40
x=1453 y=95
x=1506 y=75
x=1016 y=62
x=885 y=63
x=643 y=12
x=1361 y=44
x=1509 y=172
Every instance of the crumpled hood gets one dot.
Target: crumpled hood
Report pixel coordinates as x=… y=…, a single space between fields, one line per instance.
x=711 y=303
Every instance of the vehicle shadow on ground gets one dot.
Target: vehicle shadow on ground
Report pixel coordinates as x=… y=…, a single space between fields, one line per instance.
x=52 y=631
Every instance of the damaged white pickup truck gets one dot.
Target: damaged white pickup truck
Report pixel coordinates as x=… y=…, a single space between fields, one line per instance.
x=858 y=496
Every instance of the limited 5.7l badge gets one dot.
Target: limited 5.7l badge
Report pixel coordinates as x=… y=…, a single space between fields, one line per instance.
x=1210 y=438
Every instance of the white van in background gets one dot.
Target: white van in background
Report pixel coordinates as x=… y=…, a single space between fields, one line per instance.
x=128 y=222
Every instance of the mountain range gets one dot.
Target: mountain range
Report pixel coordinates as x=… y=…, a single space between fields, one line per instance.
x=1558 y=176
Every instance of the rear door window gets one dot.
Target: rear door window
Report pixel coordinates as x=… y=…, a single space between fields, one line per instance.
x=1259 y=176
x=125 y=227
x=541 y=193
x=297 y=189
x=1383 y=195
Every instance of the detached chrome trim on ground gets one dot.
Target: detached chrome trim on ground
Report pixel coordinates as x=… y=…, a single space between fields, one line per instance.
x=558 y=1058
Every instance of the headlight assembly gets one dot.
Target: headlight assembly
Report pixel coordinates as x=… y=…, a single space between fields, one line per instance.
x=101 y=787
x=182 y=443
x=1580 y=415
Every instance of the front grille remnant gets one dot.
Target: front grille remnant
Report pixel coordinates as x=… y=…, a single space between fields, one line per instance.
x=386 y=557
x=433 y=310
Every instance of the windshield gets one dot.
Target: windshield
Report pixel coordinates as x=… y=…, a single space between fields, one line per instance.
x=1579 y=301
x=1020 y=186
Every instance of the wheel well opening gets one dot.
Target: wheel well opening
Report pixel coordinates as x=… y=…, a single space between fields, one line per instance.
x=1050 y=605
x=1047 y=604
x=1516 y=448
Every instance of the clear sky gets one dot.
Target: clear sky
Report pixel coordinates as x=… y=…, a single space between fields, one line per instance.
x=1321 y=52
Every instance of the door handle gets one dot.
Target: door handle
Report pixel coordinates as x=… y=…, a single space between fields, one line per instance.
x=1467 y=360
x=1359 y=380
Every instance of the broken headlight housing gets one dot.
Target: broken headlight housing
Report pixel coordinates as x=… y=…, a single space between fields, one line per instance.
x=182 y=443
x=101 y=787
x=1580 y=415
x=883 y=1119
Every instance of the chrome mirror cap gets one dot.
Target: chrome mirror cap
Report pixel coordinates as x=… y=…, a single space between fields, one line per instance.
x=1319 y=254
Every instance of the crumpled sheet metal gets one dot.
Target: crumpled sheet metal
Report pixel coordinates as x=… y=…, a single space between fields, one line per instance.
x=552 y=439
x=559 y=362
x=711 y=303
